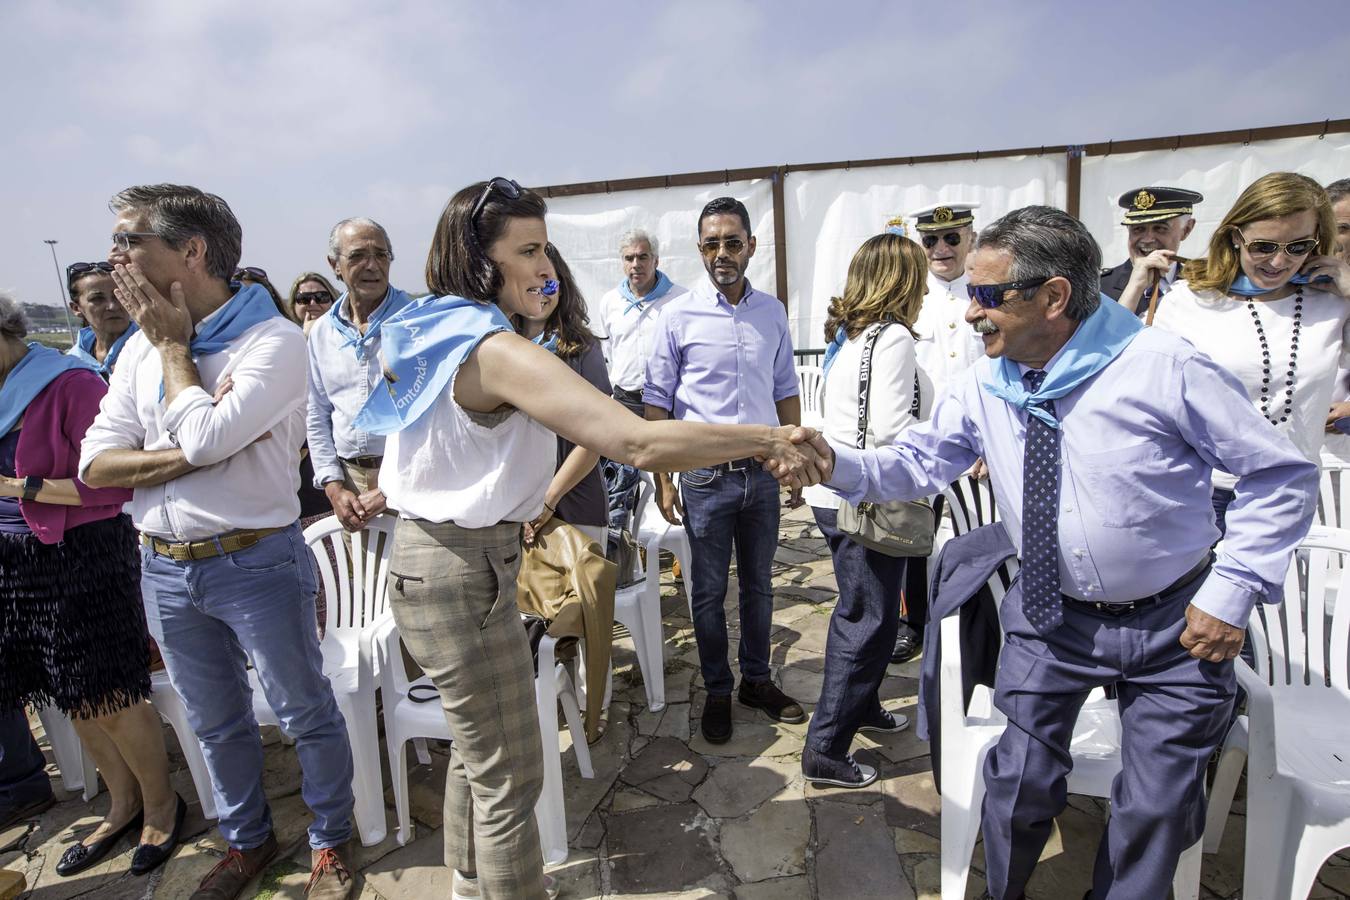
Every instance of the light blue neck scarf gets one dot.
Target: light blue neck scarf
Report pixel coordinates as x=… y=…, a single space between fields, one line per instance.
x=422 y=346
x=840 y=337
x=551 y=345
x=659 y=290
x=394 y=300
x=84 y=349
x=1099 y=339
x=39 y=367
x=250 y=305
x=1243 y=287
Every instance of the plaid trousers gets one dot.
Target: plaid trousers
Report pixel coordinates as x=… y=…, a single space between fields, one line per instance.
x=453 y=592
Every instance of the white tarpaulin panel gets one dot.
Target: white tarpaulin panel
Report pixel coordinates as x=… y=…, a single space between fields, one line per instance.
x=831 y=212
x=587 y=228
x=1219 y=172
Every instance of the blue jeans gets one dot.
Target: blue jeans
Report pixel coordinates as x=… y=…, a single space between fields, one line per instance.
x=23 y=778
x=210 y=618
x=722 y=509
x=862 y=633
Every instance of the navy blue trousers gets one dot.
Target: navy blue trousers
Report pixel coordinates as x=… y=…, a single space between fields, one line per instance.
x=862 y=633
x=1174 y=711
x=23 y=779
x=722 y=511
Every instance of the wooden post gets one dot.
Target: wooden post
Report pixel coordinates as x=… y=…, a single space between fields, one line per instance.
x=1074 y=181
x=780 y=262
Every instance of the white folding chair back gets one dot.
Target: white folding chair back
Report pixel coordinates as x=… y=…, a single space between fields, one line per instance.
x=637 y=606
x=971 y=501
x=76 y=765
x=968 y=734
x=811 y=384
x=1333 y=495
x=1298 y=728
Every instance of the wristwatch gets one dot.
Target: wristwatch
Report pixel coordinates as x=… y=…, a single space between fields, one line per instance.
x=31 y=485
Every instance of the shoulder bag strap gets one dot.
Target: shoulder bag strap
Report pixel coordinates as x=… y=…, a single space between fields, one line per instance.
x=865 y=380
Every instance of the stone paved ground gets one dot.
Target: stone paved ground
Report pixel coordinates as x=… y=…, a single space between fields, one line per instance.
x=667 y=815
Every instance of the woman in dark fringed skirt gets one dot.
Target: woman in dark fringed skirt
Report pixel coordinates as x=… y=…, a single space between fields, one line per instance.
x=72 y=628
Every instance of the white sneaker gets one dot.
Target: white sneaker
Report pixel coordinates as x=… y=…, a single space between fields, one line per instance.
x=463 y=887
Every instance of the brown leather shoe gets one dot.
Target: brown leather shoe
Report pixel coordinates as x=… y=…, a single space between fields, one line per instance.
x=237 y=869
x=331 y=878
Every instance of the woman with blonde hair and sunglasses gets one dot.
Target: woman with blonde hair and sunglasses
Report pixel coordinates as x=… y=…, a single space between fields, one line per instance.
x=1268 y=304
x=311 y=296
x=874 y=318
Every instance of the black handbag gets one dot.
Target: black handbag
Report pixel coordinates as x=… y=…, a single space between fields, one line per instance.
x=896 y=528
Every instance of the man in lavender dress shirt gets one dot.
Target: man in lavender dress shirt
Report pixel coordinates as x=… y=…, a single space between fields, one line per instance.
x=722 y=354
x=1120 y=511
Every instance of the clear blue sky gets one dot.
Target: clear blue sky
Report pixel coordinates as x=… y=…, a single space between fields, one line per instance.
x=301 y=113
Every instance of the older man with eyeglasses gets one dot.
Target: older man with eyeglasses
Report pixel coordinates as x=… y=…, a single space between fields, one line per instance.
x=1101 y=436
x=345 y=367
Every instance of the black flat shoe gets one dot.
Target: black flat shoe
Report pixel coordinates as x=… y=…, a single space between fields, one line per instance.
x=907 y=646
x=81 y=857
x=149 y=857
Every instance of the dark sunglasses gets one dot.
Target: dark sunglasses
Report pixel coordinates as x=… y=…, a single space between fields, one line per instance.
x=508 y=187
x=75 y=270
x=253 y=272
x=1300 y=247
x=305 y=298
x=990 y=296
x=951 y=239
x=712 y=247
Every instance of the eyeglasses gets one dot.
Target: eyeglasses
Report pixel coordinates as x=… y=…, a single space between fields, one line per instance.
x=990 y=296
x=75 y=270
x=712 y=247
x=305 y=298
x=1301 y=247
x=361 y=257
x=252 y=272
x=123 y=240
x=951 y=239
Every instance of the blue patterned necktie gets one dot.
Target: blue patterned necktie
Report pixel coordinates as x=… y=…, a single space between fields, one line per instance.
x=1041 y=602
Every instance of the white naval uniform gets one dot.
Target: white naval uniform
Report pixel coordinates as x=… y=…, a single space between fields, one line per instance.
x=947 y=345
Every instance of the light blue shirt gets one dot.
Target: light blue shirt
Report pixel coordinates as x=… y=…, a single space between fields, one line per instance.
x=714 y=362
x=341 y=378
x=1139 y=440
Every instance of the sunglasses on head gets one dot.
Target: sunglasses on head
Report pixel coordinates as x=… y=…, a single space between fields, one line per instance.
x=990 y=296
x=75 y=270
x=1301 y=247
x=305 y=298
x=951 y=239
x=252 y=272
x=712 y=247
x=509 y=188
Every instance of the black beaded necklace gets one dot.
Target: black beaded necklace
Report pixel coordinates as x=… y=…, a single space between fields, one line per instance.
x=1265 y=360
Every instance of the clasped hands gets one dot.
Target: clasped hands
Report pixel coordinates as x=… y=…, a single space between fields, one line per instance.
x=800 y=457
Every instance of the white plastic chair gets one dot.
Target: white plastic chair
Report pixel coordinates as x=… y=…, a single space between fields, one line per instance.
x=1333 y=495
x=356 y=595
x=637 y=607
x=406 y=719
x=75 y=764
x=1297 y=730
x=971 y=501
x=811 y=384
x=969 y=734
x=653 y=527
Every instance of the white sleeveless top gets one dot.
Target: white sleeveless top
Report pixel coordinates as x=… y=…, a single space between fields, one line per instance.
x=473 y=469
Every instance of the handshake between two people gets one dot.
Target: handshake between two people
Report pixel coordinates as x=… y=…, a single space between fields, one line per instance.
x=800 y=457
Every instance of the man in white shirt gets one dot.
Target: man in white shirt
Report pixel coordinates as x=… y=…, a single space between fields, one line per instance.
x=204 y=420
x=947 y=345
x=1158 y=219
x=344 y=367
x=627 y=316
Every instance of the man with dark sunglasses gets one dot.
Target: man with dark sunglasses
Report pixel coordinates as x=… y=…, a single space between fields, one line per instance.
x=946 y=345
x=1101 y=436
x=1158 y=220
x=722 y=354
x=345 y=367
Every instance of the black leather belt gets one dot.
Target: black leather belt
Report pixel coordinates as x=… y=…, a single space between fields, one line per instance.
x=624 y=395
x=736 y=465
x=365 y=462
x=1116 y=610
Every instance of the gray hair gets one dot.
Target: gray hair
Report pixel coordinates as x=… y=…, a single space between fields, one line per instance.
x=1339 y=190
x=1045 y=242
x=13 y=320
x=360 y=221
x=640 y=236
x=178 y=213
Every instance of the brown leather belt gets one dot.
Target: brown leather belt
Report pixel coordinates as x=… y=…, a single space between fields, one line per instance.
x=221 y=545
x=365 y=462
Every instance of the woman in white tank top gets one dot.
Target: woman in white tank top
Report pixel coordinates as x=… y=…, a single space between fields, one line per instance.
x=471 y=453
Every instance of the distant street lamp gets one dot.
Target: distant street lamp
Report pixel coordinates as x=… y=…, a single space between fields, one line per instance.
x=61 y=281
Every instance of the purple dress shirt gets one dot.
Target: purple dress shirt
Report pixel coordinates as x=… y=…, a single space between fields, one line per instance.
x=714 y=362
